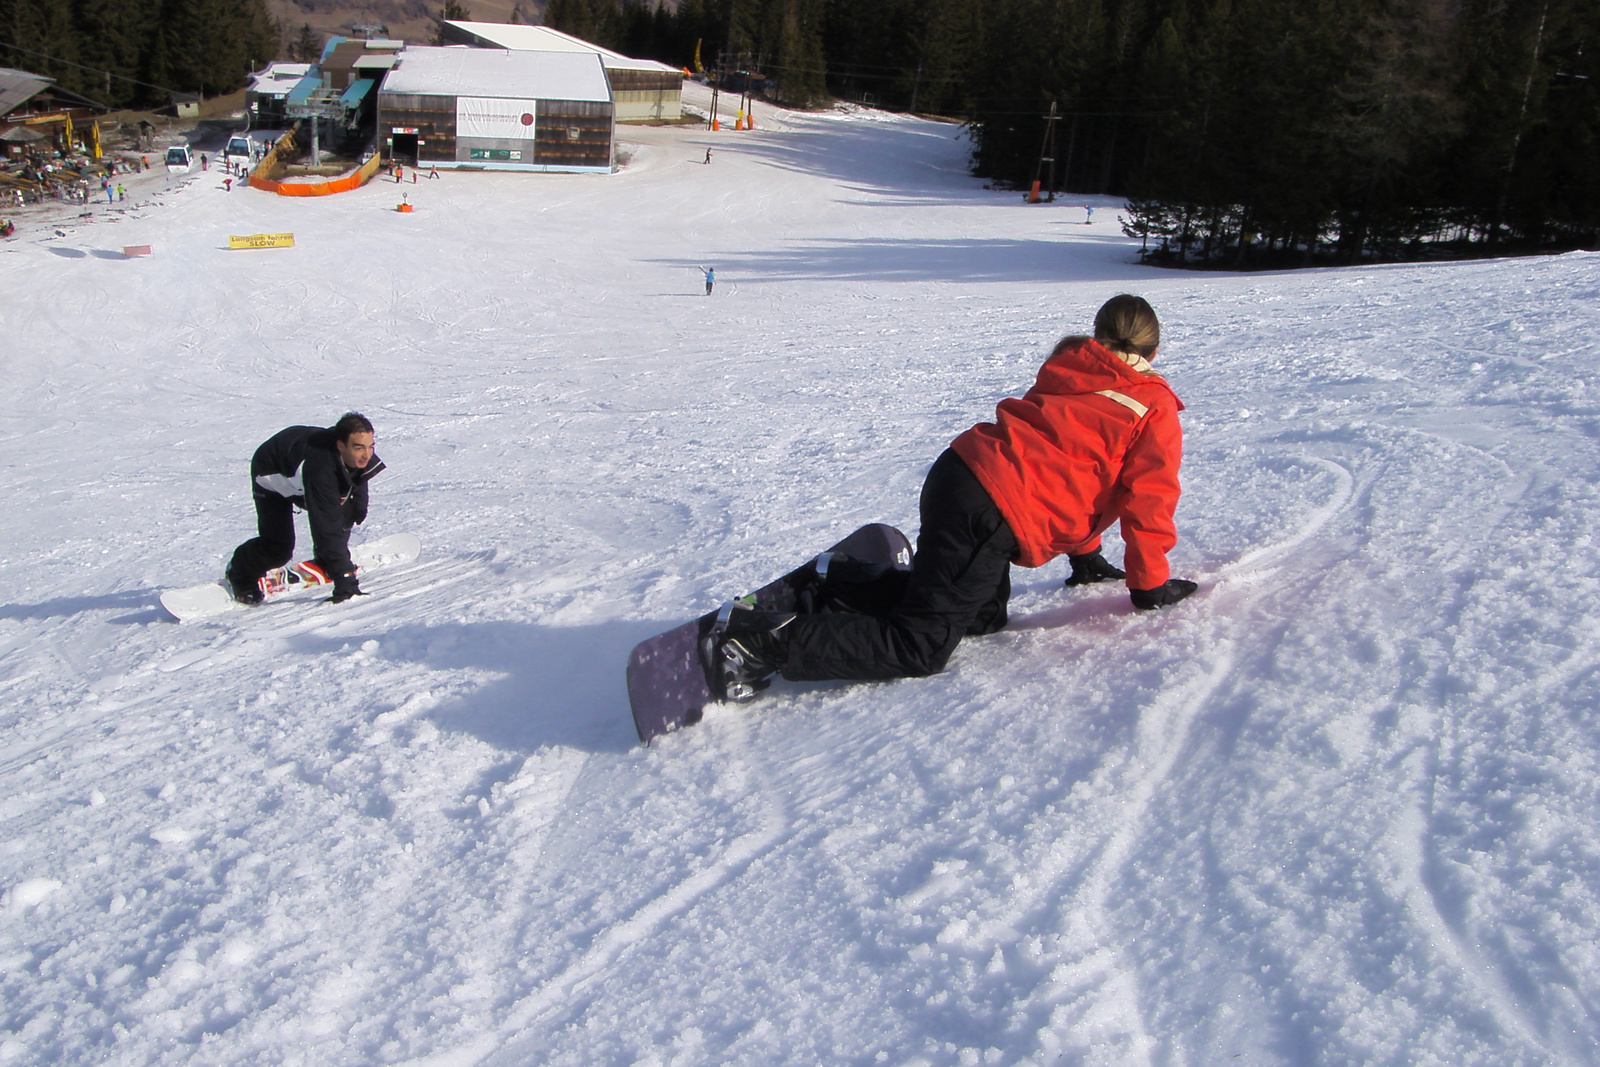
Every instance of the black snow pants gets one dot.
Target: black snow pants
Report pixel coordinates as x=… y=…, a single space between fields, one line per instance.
x=959 y=584
x=274 y=541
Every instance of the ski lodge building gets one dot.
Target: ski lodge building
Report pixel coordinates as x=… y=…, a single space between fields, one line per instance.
x=33 y=109
x=497 y=109
x=267 y=93
x=642 y=90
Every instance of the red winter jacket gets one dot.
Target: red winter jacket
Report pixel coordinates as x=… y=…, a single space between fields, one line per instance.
x=1095 y=441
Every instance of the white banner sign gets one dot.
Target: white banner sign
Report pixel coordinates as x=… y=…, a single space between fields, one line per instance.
x=478 y=116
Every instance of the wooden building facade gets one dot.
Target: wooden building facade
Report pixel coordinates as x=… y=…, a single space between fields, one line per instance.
x=471 y=108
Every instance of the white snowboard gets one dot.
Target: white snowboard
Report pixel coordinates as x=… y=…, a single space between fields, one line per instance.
x=214 y=598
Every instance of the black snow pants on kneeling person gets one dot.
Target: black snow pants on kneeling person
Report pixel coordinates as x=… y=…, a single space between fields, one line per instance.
x=959 y=584
x=273 y=544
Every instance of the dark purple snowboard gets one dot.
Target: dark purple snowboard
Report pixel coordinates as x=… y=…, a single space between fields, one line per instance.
x=666 y=682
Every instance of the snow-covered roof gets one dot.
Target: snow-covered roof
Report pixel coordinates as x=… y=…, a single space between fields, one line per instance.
x=493 y=72
x=278 y=79
x=544 y=39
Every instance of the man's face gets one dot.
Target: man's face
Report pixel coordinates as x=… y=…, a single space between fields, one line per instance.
x=356 y=452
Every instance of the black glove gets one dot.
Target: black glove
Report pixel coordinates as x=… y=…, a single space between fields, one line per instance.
x=1091 y=567
x=345 y=586
x=1172 y=591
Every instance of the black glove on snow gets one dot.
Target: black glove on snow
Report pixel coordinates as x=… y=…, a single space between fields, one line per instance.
x=1090 y=568
x=1174 y=590
x=345 y=586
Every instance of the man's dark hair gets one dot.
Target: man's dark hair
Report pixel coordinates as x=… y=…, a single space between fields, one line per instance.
x=351 y=422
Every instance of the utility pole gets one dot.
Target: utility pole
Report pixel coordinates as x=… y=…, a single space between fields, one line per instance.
x=1050 y=134
x=1047 y=154
x=1516 y=140
x=1072 y=143
x=744 y=90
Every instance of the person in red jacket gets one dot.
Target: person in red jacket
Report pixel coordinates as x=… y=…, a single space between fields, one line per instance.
x=1096 y=441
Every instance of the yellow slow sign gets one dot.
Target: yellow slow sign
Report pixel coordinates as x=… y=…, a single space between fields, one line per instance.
x=262 y=240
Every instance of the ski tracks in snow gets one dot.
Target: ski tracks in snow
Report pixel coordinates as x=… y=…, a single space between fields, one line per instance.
x=518 y=1037
x=1088 y=1007
x=1092 y=995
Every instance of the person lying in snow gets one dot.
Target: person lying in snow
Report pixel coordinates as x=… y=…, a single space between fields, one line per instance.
x=1095 y=441
x=324 y=471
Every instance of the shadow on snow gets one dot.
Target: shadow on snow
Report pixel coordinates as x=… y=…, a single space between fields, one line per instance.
x=61 y=607
x=554 y=686
x=970 y=260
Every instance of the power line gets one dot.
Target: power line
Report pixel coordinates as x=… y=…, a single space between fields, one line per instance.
x=80 y=66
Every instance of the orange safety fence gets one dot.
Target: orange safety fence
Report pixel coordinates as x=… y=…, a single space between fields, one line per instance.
x=342 y=184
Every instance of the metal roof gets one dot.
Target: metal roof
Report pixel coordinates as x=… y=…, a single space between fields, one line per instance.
x=543 y=39
x=358 y=89
x=491 y=72
x=301 y=93
x=17 y=87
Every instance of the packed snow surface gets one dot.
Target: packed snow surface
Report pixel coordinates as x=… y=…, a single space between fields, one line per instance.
x=1342 y=806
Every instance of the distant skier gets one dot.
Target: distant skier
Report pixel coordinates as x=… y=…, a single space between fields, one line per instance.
x=1088 y=214
x=323 y=471
x=711 y=279
x=205 y=164
x=227 y=185
x=1096 y=441
x=708 y=155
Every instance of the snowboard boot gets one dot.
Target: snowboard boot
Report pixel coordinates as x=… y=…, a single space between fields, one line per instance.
x=835 y=582
x=245 y=590
x=743 y=651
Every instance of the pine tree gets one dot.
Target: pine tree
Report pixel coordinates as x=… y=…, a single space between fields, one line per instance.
x=792 y=35
x=596 y=21
x=452 y=11
x=45 y=40
x=307 y=45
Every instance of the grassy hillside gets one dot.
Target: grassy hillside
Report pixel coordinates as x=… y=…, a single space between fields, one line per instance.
x=409 y=20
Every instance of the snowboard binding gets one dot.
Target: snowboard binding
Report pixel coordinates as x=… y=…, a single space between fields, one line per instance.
x=742 y=650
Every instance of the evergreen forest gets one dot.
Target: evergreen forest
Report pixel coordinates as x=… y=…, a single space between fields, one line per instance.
x=133 y=53
x=1244 y=132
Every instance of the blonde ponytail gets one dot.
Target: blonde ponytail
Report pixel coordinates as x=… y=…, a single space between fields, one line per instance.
x=1127 y=323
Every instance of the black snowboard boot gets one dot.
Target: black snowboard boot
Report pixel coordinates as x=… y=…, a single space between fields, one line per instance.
x=245 y=590
x=839 y=583
x=745 y=652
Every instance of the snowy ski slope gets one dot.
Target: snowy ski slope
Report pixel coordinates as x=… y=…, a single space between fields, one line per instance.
x=1342 y=806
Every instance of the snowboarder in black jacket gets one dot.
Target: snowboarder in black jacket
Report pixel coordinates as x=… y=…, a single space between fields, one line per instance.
x=324 y=471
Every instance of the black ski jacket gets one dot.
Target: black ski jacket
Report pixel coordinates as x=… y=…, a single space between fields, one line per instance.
x=302 y=463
